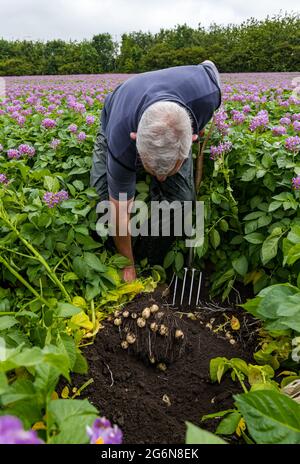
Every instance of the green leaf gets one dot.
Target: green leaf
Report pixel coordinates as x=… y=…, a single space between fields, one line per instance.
x=197 y=436
x=169 y=259
x=229 y=424
x=67 y=309
x=51 y=184
x=256 y=238
x=179 y=261
x=269 y=248
x=293 y=254
x=271 y=417
x=72 y=417
x=94 y=262
x=240 y=265
x=6 y=322
x=215 y=238
x=249 y=174
x=217 y=367
x=81 y=365
x=216 y=415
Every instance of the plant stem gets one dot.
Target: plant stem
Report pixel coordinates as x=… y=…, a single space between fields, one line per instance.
x=23 y=281
x=38 y=256
x=85 y=385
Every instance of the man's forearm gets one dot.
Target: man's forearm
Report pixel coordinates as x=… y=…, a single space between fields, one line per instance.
x=124 y=247
x=122 y=238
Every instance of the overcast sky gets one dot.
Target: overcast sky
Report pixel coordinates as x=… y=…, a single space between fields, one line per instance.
x=78 y=19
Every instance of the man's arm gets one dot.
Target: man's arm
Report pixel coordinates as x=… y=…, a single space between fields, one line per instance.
x=122 y=238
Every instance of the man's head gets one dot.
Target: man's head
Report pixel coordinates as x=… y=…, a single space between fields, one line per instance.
x=164 y=138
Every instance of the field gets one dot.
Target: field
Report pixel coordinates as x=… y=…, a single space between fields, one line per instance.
x=63 y=303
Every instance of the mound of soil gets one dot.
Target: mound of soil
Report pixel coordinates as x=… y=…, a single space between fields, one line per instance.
x=152 y=405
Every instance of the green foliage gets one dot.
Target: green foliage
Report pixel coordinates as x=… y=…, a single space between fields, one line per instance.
x=195 y=435
x=271 y=44
x=271 y=417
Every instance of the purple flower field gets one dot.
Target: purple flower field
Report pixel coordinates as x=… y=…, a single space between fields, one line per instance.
x=59 y=280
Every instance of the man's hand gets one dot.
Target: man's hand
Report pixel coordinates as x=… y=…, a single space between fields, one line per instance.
x=129 y=273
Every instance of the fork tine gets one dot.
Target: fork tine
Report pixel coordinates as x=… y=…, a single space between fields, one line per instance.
x=191 y=286
x=183 y=285
x=175 y=290
x=199 y=288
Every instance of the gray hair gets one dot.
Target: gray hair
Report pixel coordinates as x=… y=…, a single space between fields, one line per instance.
x=164 y=135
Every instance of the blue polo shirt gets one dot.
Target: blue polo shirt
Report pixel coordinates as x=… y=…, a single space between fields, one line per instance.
x=194 y=87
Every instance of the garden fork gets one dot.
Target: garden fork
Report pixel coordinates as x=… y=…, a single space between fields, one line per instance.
x=188 y=271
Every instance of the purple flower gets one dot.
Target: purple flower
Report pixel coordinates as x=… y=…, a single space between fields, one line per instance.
x=285 y=121
x=52 y=199
x=25 y=149
x=296 y=182
x=81 y=136
x=73 y=128
x=54 y=143
x=221 y=149
x=90 y=119
x=246 y=109
x=102 y=433
x=13 y=153
x=296 y=117
x=79 y=108
x=238 y=117
x=48 y=123
x=21 y=120
x=279 y=130
x=259 y=121
x=3 y=179
x=13 y=433
x=293 y=143
x=220 y=118
x=296 y=125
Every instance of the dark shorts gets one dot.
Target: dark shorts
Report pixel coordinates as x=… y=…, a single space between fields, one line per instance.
x=178 y=187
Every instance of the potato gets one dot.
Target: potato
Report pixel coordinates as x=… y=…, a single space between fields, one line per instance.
x=118 y=321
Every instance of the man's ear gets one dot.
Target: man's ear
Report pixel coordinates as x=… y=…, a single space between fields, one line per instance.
x=194 y=137
x=133 y=135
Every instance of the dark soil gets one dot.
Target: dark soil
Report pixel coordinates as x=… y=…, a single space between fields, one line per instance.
x=152 y=405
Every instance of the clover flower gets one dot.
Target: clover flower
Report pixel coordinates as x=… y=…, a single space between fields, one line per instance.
x=25 y=149
x=296 y=182
x=296 y=117
x=13 y=153
x=81 y=136
x=48 y=123
x=261 y=120
x=13 y=433
x=3 y=179
x=73 y=128
x=293 y=143
x=221 y=149
x=52 y=199
x=279 y=130
x=102 y=433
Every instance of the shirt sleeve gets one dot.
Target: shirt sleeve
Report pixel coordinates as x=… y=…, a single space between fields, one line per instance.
x=120 y=180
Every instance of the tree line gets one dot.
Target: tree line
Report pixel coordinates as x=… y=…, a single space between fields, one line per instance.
x=272 y=44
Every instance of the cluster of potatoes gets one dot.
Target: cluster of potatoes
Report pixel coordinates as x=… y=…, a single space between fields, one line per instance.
x=143 y=320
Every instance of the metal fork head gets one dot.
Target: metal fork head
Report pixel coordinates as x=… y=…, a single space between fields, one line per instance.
x=187 y=289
